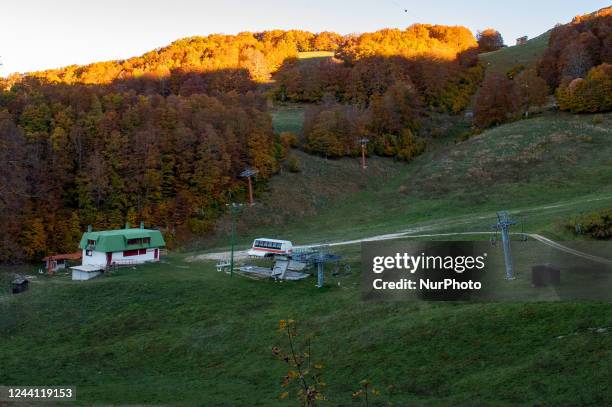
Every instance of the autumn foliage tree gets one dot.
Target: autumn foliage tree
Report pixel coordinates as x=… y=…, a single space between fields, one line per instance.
x=162 y=137
x=381 y=85
x=494 y=102
x=574 y=48
x=530 y=90
x=589 y=95
x=437 y=59
x=489 y=40
x=85 y=154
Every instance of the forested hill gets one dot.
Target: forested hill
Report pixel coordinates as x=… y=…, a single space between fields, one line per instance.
x=162 y=137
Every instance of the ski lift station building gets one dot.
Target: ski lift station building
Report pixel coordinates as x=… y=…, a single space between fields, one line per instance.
x=121 y=247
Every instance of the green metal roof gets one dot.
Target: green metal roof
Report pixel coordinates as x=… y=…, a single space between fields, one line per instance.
x=117 y=240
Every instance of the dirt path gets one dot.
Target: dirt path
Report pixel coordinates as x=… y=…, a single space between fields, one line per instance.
x=418 y=232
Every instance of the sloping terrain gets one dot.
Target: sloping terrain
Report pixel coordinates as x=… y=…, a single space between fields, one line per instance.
x=181 y=333
x=507 y=58
x=549 y=159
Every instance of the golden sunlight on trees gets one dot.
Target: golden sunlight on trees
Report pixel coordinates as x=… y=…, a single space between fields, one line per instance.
x=162 y=137
x=577 y=63
x=575 y=48
x=489 y=40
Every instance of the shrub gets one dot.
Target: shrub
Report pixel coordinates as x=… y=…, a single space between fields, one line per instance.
x=597 y=224
x=494 y=102
x=589 y=95
x=515 y=70
x=289 y=140
x=293 y=164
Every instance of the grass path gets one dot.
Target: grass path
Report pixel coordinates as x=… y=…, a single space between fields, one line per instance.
x=439 y=224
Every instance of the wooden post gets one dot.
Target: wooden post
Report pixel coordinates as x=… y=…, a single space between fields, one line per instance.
x=363 y=141
x=250 y=191
x=363 y=164
x=248 y=174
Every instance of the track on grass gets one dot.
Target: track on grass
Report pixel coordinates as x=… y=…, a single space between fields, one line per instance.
x=417 y=232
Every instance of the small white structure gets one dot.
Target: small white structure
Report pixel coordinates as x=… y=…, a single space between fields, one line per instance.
x=264 y=247
x=86 y=272
x=115 y=248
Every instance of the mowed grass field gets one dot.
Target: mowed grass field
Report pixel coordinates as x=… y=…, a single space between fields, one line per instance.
x=178 y=333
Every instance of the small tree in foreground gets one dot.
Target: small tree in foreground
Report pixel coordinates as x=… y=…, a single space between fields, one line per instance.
x=303 y=379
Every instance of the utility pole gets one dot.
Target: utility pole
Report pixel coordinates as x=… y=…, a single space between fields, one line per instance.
x=248 y=173
x=363 y=141
x=234 y=208
x=503 y=224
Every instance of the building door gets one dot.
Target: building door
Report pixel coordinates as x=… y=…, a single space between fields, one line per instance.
x=109 y=259
x=156 y=254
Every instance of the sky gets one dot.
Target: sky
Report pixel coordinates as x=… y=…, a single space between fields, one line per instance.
x=39 y=34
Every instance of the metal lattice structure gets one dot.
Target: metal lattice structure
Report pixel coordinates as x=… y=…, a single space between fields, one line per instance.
x=317 y=256
x=503 y=225
x=234 y=208
x=249 y=172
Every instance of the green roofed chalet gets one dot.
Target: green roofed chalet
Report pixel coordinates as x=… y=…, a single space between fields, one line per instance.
x=120 y=247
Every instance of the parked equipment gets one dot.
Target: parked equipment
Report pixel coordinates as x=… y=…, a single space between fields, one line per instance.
x=264 y=247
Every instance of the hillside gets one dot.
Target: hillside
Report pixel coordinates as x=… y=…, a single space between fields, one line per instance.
x=163 y=137
x=165 y=144
x=182 y=331
x=208 y=338
x=507 y=58
x=552 y=158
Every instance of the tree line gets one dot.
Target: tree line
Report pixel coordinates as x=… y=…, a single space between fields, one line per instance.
x=381 y=86
x=576 y=67
x=162 y=137
x=73 y=155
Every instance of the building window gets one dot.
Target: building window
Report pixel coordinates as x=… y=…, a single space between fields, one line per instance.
x=128 y=253
x=139 y=240
x=88 y=253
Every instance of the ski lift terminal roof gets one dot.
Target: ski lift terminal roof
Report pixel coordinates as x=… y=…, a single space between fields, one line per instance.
x=123 y=239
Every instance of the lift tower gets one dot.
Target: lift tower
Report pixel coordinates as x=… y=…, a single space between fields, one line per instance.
x=248 y=173
x=503 y=225
x=363 y=142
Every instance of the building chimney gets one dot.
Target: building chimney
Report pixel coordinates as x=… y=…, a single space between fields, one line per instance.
x=141 y=225
x=127 y=225
x=89 y=228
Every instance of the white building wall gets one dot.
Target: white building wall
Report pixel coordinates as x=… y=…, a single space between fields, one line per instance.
x=96 y=258
x=141 y=258
x=99 y=258
x=84 y=275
